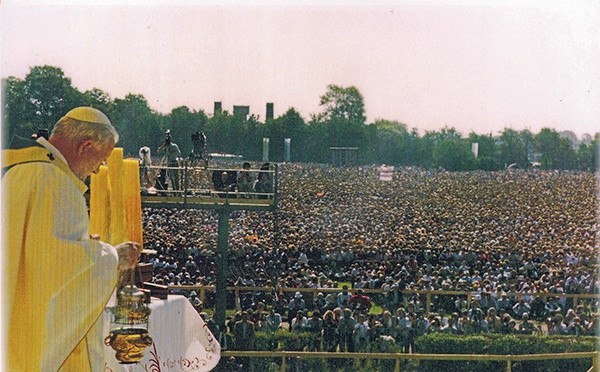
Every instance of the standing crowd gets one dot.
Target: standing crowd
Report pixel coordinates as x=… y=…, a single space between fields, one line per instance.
x=505 y=237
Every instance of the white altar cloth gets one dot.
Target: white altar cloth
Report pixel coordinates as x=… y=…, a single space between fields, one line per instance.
x=181 y=340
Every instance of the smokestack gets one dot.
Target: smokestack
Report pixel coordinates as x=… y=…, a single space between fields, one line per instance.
x=217 y=108
x=269 y=110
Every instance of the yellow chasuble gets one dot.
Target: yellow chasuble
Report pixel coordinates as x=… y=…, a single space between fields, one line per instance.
x=56 y=280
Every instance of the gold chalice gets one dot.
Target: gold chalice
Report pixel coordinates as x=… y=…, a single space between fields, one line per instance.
x=129 y=344
x=129 y=327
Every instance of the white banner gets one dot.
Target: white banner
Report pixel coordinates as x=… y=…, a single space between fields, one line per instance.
x=287 y=142
x=386 y=173
x=475 y=148
x=265 y=149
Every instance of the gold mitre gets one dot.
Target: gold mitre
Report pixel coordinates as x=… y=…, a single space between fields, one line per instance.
x=89 y=114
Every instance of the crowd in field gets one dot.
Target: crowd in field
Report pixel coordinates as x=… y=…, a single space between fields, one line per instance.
x=347 y=329
x=503 y=236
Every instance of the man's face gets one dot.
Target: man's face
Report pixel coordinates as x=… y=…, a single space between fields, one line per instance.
x=92 y=158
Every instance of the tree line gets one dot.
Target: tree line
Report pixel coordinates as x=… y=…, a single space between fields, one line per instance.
x=46 y=94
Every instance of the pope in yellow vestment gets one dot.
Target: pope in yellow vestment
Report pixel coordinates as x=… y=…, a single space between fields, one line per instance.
x=56 y=280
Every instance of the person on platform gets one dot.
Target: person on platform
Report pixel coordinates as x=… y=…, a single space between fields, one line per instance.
x=145 y=163
x=56 y=278
x=264 y=183
x=171 y=154
x=245 y=181
x=199 y=150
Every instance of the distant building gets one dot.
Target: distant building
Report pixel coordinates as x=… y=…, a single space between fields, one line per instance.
x=344 y=156
x=241 y=111
x=217 y=108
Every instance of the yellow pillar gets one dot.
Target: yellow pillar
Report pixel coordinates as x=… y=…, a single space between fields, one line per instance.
x=117 y=232
x=132 y=201
x=100 y=204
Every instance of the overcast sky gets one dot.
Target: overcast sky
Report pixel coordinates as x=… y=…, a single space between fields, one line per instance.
x=474 y=67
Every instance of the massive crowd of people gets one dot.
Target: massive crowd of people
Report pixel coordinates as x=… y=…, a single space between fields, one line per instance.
x=502 y=236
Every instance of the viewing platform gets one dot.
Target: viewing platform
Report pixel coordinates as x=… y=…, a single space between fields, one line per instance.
x=213 y=188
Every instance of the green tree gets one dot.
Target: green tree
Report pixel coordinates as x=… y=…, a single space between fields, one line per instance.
x=183 y=123
x=412 y=147
x=512 y=149
x=556 y=152
x=344 y=103
x=390 y=142
x=424 y=149
x=447 y=133
x=17 y=112
x=99 y=99
x=50 y=94
x=225 y=132
x=425 y=146
x=137 y=124
x=453 y=154
x=317 y=147
x=487 y=158
x=344 y=118
x=251 y=146
x=289 y=125
x=587 y=156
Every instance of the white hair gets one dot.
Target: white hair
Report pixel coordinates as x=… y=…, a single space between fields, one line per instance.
x=100 y=133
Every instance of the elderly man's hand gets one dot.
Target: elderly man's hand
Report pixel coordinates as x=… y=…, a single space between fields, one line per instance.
x=129 y=255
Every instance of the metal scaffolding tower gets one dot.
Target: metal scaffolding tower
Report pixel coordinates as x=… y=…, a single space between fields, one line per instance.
x=194 y=196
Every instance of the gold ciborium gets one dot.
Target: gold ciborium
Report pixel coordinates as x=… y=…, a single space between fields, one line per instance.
x=129 y=326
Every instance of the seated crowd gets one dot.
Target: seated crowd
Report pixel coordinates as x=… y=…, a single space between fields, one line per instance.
x=505 y=237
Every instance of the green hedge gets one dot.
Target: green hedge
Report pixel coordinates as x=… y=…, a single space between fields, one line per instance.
x=440 y=343
x=286 y=341
x=282 y=340
x=437 y=343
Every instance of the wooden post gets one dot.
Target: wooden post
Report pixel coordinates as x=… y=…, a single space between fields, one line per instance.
x=185 y=181
x=397 y=368
x=221 y=259
x=283 y=362
x=469 y=298
x=428 y=305
x=238 y=299
x=201 y=294
x=508 y=366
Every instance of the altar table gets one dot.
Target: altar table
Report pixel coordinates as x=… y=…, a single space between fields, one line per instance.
x=181 y=340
